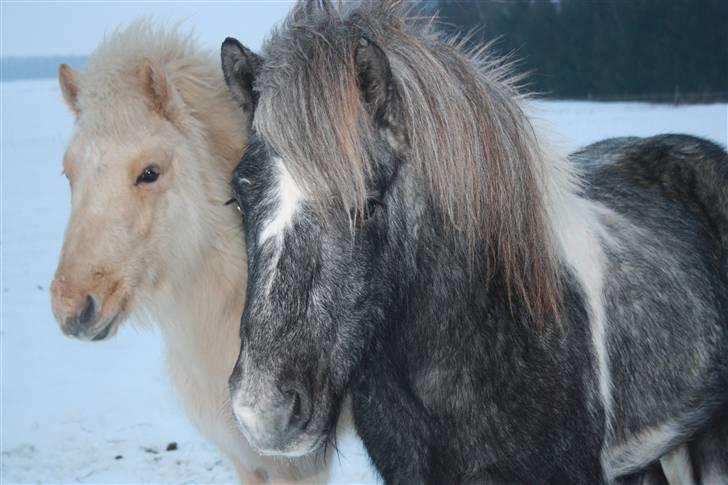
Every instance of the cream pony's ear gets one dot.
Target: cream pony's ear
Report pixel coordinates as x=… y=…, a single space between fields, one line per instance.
x=70 y=82
x=157 y=89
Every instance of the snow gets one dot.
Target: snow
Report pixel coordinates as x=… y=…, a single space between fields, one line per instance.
x=578 y=123
x=104 y=412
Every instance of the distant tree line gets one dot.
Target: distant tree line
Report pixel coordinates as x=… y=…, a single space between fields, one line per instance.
x=607 y=49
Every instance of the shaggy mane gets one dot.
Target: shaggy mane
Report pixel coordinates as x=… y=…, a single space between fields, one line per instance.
x=112 y=89
x=468 y=134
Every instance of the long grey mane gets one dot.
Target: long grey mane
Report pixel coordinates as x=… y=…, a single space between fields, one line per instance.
x=468 y=135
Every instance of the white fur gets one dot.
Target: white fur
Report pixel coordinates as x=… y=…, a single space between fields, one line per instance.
x=678 y=468
x=578 y=228
x=580 y=236
x=193 y=284
x=247 y=417
x=288 y=197
x=640 y=449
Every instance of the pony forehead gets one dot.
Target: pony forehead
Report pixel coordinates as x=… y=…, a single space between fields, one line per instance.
x=469 y=138
x=310 y=111
x=85 y=150
x=120 y=117
x=128 y=125
x=287 y=197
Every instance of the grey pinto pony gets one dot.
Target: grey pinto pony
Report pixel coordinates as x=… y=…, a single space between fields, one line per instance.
x=498 y=313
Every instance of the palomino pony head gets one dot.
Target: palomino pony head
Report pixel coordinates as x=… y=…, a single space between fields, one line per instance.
x=155 y=139
x=377 y=150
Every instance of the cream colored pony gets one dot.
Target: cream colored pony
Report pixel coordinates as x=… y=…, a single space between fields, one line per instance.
x=156 y=138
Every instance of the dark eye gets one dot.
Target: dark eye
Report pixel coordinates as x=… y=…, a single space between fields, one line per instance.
x=237 y=205
x=370 y=210
x=148 y=176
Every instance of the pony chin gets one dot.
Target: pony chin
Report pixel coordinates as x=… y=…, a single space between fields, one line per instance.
x=109 y=327
x=302 y=448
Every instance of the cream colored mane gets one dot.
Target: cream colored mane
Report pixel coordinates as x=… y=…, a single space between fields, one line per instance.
x=111 y=86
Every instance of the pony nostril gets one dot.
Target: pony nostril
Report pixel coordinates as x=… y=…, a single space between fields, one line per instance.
x=88 y=311
x=296 y=407
x=299 y=408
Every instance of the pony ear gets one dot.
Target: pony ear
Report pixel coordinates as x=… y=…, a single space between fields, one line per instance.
x=70 y=81
x=379 y=90
x=157 y=88
x=240 y=67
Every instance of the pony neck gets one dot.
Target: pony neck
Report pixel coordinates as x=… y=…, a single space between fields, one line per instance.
x=201 y=312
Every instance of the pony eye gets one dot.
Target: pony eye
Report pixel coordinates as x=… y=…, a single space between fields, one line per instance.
x=369 y=211
x=149 y=175
x=372 y=206
x=237 y=204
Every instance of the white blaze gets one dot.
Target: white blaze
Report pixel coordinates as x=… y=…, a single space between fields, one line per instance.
x=288 y=197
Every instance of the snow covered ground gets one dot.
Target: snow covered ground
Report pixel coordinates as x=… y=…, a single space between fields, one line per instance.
x=104 y=412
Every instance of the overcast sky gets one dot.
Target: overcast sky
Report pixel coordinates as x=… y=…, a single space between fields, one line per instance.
x=41 y=28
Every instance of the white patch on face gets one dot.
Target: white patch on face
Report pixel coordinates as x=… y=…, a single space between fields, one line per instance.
x=256 y=423
x=247 y=418
x=288 y=197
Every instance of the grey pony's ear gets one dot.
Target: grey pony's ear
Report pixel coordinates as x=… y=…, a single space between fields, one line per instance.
x=380 y=92
x=240 y=67
x=70 y=82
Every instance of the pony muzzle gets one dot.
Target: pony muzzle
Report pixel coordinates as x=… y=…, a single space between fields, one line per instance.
x=276 y=424
x=82 y=317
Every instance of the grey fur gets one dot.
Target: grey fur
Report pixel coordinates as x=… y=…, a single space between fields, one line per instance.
x=598 y=343
x=460 y=108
